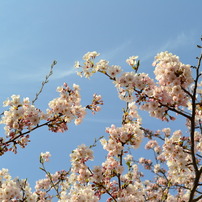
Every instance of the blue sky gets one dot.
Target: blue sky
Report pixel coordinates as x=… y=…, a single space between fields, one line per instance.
x=34 y=33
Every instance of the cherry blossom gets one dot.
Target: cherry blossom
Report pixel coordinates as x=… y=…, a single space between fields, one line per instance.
x=170 y=169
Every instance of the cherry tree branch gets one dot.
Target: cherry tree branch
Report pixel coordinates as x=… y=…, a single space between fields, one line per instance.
x=192 y=131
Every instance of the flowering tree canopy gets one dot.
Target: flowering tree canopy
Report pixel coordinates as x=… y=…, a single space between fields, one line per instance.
x=176 y=168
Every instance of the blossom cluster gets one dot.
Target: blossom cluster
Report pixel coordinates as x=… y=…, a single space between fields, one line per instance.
x=14 y=189
x=79 y=193
x=21 y=115
x=90 y=67
x=129 y=133
x=65 y=108
x=130 y=82
x=178 y=160
x=79 y=179
x=94 y=106
x=45 y=157
x=173 y=78
x=54 y=181
x=78 y=158
x=170 y=71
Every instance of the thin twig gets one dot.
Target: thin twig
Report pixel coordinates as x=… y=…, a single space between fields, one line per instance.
x=45 y=81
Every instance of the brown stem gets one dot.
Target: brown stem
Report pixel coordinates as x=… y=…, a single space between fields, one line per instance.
x=197 y=172
x=121 y=163
x=22 y=134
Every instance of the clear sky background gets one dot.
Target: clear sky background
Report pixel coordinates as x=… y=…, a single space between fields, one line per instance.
x=34 y=33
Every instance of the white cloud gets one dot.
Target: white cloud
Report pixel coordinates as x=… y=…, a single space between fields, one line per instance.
x=39 y=75
x=64 y=73
x=111 y=54
x=180 y=41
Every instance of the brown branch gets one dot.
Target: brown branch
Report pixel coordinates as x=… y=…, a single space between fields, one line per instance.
x=22 y=134
x=197 y=172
